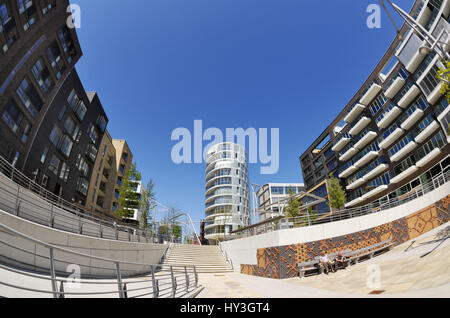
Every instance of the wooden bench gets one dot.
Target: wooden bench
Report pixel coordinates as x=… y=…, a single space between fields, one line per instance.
x=351 y=257
x=356 y=256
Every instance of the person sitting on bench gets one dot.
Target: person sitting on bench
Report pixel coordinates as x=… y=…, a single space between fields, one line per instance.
x=339 y=261
x=326 y=263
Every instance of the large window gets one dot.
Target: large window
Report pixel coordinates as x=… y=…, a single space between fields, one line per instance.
x=27 y=10
x=53 y=166
x=55 y=60
x=47 y=5
x=83 y=186
x=12 y=116
x=8 y=32
x=77 y=105
x=30 y=97
x=67 y=43
x=42 y=77
x=83 y=166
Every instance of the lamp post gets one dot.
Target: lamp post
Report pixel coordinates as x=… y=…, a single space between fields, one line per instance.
x=433 y=44
x=254 y=185
x=192 y=224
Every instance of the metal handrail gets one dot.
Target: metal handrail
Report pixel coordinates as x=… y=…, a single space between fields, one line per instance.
x=184 y=278
x=74 y=212
x=374 y=207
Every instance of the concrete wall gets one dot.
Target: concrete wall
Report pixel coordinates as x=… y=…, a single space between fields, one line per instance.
x=125 y=251
x=244 y=251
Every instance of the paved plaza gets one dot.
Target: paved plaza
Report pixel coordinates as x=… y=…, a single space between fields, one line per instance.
x=419 y=268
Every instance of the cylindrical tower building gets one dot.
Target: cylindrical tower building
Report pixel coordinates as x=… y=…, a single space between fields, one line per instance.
x=227 y=198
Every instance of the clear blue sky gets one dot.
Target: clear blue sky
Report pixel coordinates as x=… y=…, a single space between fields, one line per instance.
x=161 y=64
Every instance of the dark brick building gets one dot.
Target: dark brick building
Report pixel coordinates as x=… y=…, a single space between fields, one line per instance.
x=49 y=128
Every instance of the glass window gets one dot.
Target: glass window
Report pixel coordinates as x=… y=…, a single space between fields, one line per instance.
x=30 y=97
x=55 y=60
x=42 y=77
x=53 y=166
x=12 y=116
x=44 y=155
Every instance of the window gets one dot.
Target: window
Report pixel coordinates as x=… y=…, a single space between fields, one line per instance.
x=44 y=181
x=93 y=134
x=55 y=60
x=277 y=190
x=66 y=145
x=64 y=174
x=42 y=77
x=47 y=5
x=8 y=32
x=27 y=10
x=44 y=155
x=376 y=105
x=82 y=186
x=82 y=166
x=53 y=166
x=67 y=44
x=55 y=136
x=30 y=97
x=69 y=125
x=61 y=112
x=77 y=105
x=25 y=134
x=12 y=116
x=91 y=152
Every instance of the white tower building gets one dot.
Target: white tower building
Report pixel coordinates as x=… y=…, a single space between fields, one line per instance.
x=227 y=198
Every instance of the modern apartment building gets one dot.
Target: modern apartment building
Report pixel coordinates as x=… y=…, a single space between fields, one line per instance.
x=49 y=127
x=271 y=198
x=227 y=198
x=392 y=136
x=124 y=158
x=103 y=180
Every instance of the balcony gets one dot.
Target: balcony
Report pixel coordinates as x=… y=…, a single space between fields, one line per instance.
x=424 y=16
x=375 y=172
x=348 y=172
x=389 y=140
x=375 y=192
x=430 y=156
x=356 y=110
x=431 y=128
x=370 y=94
x=365 y=140
x=435 y=95
x=348 y=154
x=354 y=202
x=389 y=117
x=416 y=60
x=404 y=174
x=412 y=119
x=367 y=158
x=412 y=93
x=394 y=88
x=356 y=184
x=340 y=144
x=404 y=151
x=360 y=125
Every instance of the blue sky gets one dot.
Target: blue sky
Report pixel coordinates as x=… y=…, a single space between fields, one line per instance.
x=161 y=64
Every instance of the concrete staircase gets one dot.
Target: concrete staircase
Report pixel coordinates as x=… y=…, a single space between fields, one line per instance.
x=206 y=258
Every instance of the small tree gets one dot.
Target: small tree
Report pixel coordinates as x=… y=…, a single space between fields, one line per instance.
x=336 y=195
x=145 y=204
x=292 y=209
x=128 y=198
x=443 y=75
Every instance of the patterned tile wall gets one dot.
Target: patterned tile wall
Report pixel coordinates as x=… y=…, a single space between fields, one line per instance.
x=281 y=262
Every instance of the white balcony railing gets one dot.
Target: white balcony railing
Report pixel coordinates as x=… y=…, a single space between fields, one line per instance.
x=407 y=99
x=389 y=117
x=360 y=125
x=340 y=144
x=394 y=88
x=356 y=110
x=432 y=127
x=404 y=174
x=389 y=140
x=366 y=158
x=371 y=135
x=412 y=119
x=430 y=156
x=348 y=172
x=370 y=94
x=348 y=154
x=404 y=151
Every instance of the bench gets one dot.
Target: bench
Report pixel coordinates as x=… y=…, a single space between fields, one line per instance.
x=351 y=257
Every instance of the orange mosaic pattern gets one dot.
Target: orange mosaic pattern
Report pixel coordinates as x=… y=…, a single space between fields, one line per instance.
x=281 y=262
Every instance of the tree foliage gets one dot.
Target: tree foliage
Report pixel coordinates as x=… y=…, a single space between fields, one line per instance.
x=128 y=198
x=336 y=195
x=443 y=75
x=146 y=204
x=293 y=207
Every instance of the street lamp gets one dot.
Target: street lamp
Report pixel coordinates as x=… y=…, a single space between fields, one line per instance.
x=192 y=224
x=433 y=44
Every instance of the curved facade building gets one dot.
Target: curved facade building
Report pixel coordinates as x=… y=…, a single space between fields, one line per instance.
x=227 y=198
x=393 y=135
